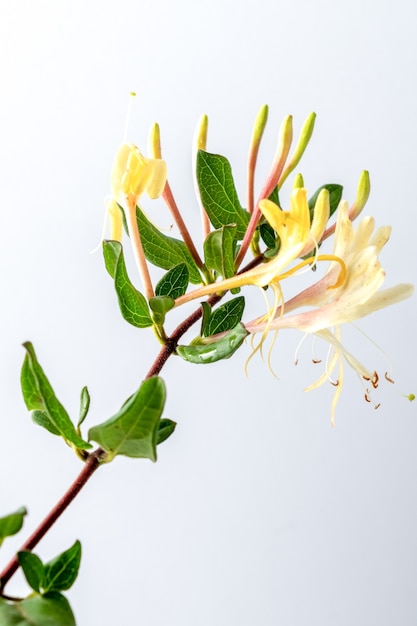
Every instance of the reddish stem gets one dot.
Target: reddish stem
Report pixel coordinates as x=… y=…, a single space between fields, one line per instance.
x=90 y=466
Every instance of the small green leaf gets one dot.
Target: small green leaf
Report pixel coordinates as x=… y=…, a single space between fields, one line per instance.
x=33 y=569
x=165 y=429
x=133 y=431
x=226 y=316
x=209 y=351
x=84 y=405
x=218 y=192
x=205 y=318
x=160 y=306
x=220 y=249
x=11 y=524
x=40 y=397
x=163 y=251
x=61 y=572
x=268 y=235
x=51 y=609
x=175 y=282
x=132 y=303
x=335 y=196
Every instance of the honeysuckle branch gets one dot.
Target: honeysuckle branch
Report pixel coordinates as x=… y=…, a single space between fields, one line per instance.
x=91 y=465
x=94 y=459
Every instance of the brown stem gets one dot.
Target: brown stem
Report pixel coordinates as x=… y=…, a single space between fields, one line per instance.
x=90 y=466
x=93 y=460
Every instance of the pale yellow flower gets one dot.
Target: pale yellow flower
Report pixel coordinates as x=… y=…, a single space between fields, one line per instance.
x=357 y=296
x=298 y=237
x=133 y=175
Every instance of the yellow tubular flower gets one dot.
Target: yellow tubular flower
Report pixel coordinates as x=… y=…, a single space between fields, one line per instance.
x=133 y=175
x=297 y=237
x=356 y=297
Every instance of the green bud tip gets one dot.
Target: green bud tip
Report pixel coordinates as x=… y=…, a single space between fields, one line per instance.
x=298 y=181
x=259 y=126
x=200 y=135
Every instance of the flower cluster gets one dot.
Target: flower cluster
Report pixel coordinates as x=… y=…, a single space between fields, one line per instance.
x=349 y=290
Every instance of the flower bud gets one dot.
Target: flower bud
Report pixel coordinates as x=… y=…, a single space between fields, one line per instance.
x=362 y=195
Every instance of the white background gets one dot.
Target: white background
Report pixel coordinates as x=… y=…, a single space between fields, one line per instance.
x=257 y=512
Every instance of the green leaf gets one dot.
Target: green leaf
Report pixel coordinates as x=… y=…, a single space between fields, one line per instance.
x=33 y=569
x=218 y=192
x=39 y=396
x=84 y=405
x=175 y=282
x=61 y=572
x=11 y=524
x=268 y=235
x=111 y=253
x=226 y=316
x=335 y=196
x=219 y=251
x=209 y=351
x=160 y=306
x=51 y=609
x=42 y=419
x=165 y=429
x=163 y=251
x=205 y=318
x=133 y=431
x=132 y=303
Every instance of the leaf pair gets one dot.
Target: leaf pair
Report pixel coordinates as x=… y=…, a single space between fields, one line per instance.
x=47 y=606
x=134 y=431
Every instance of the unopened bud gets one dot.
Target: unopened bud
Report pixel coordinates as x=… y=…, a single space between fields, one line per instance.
x=200 y=135
x=298 y=182
x=259 y=127
x=154 y=142
x=362 y=195
x=302 y=143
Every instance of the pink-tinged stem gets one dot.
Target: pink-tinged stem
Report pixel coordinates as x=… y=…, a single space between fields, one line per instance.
x=173 y=207
x=138 y=252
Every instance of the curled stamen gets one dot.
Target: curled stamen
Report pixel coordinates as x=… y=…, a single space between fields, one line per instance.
x=335 y=383
x=390 y=380
x=377 y=405
x=374 y=380
x=367 y=398
x=316 y=361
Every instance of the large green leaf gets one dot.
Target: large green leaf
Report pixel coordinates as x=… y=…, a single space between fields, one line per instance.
x=218 y=192
x=226 y=316
x=51 y=609
x=133 y=431
x=132 y=303
x=11 y=524
x=40 y=398
x=208 y=351
x=163 y=251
